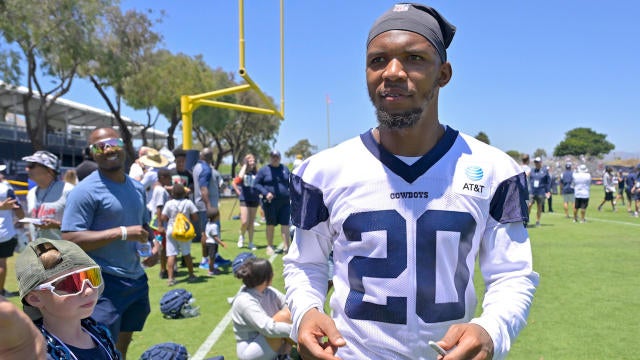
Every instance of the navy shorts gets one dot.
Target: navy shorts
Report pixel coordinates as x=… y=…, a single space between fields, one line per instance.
x=608 y=196
x=251 y=204
x=581 y=203
x=277 y=212
x=7 y=248
x=124 y=304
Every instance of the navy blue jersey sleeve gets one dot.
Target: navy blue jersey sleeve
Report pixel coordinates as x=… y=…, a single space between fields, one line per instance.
x=509 y=201
x=307 y=206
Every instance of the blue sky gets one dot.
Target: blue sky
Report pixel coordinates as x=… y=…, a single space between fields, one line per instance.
x=524 y=72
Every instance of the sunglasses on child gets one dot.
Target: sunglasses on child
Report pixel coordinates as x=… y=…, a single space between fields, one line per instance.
x=73 y=283
x=100 y=147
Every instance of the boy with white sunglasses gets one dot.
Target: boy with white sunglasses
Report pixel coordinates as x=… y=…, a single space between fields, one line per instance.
x=59 y=287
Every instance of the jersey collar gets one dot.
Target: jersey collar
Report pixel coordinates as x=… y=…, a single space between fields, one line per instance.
x=410 y=172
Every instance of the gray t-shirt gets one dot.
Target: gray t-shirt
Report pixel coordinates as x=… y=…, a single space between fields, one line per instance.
x=206 y=176
x=252 y=313
x=47 y=203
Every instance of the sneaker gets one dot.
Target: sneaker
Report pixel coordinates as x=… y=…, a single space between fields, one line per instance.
x=164 y=274
x=575 y=220
x=537 y=223
x=635 y=214
x=583 y=221
x=192 y=279
x=240 y=241
x=279 y=251
x=600 y=208
x=270 y=250
x=204 y=264
x=255 y=223
x=221 y=262
x=211 y=273
x=171 y=282
x=252 y=247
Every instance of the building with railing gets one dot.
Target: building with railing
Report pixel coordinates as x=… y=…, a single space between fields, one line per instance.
x=69 y=124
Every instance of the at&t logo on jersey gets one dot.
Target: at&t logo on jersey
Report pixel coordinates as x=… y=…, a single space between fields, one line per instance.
x=471 y=180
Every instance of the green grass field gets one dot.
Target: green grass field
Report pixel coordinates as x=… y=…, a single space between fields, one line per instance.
x=587 y=305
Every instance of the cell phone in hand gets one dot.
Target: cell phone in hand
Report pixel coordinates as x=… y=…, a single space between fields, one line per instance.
x=437 y=348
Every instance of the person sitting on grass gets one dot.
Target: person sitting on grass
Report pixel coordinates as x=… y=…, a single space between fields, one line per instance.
x=212 y=231
x=59 y=288
x=179 y=204
x=261 y=319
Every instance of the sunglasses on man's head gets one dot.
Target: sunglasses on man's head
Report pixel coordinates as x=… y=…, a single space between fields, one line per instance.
x=102 y=146
x=73 y=283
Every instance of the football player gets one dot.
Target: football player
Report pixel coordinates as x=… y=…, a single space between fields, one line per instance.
x=406 y=208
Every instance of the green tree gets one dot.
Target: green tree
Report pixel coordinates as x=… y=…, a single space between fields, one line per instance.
x=247 y=132
x=53 y=39
x=515 y=154
x=164 y=79
x=483 y=137
x=540 y=152
x=583 y=141
x=302 y=147
x=123 y=48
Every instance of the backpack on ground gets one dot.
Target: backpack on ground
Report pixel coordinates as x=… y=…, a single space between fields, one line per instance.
x=165 y=351
x=178 y=304
x=183 y=229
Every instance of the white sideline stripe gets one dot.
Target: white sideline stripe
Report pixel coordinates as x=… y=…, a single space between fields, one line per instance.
x=589 y=219
x=213 y=338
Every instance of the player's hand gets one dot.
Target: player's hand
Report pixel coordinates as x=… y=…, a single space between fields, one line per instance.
x=318 y=337
x=223 y=244
x=467 y=341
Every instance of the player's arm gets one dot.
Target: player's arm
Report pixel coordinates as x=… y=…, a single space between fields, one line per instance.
x=306 y=274
x=507 y=268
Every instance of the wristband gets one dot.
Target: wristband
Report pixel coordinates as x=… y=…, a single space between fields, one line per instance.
x=123 y=231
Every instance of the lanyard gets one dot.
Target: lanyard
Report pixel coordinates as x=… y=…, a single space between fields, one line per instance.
x=40 y=201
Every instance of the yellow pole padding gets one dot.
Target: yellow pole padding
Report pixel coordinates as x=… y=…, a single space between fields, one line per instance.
x=186 y=109
x=18 y=183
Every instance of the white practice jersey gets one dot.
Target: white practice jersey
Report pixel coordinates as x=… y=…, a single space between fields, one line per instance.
x=405 y=239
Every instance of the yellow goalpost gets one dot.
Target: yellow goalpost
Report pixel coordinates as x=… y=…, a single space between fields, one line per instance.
x=189 y=103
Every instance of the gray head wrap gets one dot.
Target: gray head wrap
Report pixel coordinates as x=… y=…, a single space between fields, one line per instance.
x=420 y=19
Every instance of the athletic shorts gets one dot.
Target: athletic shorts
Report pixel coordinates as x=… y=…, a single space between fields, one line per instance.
x=7 y=247
x=629 y=194
x=277 y=212
x=212 y=250
x=568 y=198
x=538 y=199
x=175 y=247
x=124 y=304
x=608 y=196
x=581 y=203
x=251 y=204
